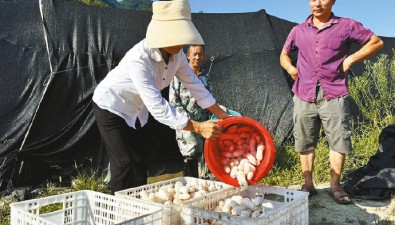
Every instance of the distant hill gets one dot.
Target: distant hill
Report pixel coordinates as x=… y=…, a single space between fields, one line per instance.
x=136 y=4
x=110 y=3
x=125 y=4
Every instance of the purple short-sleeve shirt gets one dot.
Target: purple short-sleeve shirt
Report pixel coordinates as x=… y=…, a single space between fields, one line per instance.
x=321 y=53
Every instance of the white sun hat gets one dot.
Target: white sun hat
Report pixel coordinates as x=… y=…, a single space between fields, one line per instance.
x=171 y=25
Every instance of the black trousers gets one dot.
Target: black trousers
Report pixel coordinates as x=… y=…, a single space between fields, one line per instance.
x=128 y=149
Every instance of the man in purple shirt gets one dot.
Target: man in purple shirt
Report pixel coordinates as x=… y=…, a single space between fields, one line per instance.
x=321 y=92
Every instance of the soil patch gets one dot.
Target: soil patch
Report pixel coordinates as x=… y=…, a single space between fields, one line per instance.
x=324 y=211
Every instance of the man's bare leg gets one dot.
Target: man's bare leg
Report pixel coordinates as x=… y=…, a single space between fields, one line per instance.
x=307 y=163
x=336 y=160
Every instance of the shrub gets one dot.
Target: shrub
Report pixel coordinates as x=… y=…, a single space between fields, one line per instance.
x=89 y=179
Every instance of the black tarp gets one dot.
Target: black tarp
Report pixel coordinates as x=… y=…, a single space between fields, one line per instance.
x=376 y=180
x=54 y=52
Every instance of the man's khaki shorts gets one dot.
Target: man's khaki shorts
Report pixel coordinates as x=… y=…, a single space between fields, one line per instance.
x=334 y=115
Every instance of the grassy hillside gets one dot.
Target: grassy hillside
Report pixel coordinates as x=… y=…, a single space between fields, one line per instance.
x=125 y=4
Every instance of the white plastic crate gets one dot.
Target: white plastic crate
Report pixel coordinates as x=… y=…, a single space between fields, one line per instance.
x=84 y=208
x=290 y=207
x=171 y=214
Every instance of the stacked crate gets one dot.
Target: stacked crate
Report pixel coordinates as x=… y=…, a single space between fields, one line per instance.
x=84 y=208
x=287 y=207
x=171 y=213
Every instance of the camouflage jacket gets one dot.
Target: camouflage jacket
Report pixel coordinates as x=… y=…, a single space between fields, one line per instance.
x=190 y=144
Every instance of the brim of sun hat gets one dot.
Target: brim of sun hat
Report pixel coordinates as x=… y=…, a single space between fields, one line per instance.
x=161 y=34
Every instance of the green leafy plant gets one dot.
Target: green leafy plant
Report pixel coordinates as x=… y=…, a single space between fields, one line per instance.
x=374 y=92
x=93 y=2
x=5 y=210
x=49 y=190
x=89 y=179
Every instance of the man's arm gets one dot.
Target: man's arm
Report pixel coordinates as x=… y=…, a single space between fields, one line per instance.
x=286 y=63
x=218 y=111
x=370 y=48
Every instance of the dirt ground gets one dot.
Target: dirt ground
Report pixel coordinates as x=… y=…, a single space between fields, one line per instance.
x=324 y=211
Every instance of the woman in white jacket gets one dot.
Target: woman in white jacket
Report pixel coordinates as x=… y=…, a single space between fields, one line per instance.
x=124 y=100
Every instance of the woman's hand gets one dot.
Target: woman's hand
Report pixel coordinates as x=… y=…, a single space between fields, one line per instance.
x=208 y=129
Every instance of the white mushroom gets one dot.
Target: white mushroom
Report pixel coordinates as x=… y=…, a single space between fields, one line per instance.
x=259 y=151
x=233 y=203
x=250 y=175
x=237 y=210
x=242 y=179
x=233 y=172
x=248 y=204
x=256 y=214
x=245 y=213
x=258 y=200
x=237 y=198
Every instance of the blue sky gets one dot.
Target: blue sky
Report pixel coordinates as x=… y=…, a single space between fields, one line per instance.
x=377 y=15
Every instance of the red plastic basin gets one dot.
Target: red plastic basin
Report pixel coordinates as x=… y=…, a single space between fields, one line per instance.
x=213 y=157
